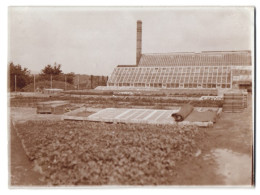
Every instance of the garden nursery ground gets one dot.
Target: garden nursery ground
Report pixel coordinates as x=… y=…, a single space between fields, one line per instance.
x=47 y=151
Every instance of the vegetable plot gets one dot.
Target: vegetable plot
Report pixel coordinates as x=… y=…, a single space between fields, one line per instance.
x=88 y=153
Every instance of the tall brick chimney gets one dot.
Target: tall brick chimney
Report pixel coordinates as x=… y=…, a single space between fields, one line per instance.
x=138 y=41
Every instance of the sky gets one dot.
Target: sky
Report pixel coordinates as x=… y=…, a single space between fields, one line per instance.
x=94 y=40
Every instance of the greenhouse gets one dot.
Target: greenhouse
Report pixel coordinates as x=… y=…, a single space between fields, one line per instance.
x=206 y=69
x=172 y=77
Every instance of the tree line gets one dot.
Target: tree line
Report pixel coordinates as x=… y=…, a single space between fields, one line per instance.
x=20 y=77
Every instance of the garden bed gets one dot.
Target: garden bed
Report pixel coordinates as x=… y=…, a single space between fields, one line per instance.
x=89 y=153
x=119 y=101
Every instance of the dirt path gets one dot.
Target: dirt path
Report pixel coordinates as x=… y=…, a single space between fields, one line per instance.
x=22 y=114
x=229 y=144
x=235 y=167
x=226 y=153
x=21 y=168
x=22 y=173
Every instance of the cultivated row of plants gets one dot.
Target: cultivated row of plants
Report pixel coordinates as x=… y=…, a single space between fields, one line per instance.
x=102 y=101
x=88 y=153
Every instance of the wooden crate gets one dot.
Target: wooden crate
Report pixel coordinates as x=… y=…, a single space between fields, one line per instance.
x=234 y=101
x=245 y=99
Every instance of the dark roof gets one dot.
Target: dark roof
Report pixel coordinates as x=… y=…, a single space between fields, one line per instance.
x=207 y=58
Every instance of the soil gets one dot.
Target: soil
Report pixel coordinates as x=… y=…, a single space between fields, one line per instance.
x=224 y=158
x=21 y=168
x=232 y=166
x=22 y=171
x=22 y=114
x=83 y=113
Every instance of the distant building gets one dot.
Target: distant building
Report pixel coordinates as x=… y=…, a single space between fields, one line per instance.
x=208 y=69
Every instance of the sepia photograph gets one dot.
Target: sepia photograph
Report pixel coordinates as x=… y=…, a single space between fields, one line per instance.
x=131 y=96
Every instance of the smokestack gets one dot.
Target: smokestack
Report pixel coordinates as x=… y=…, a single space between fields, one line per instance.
x=139 y=41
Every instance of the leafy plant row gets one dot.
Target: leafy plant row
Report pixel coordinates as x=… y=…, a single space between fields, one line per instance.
x=88 y=153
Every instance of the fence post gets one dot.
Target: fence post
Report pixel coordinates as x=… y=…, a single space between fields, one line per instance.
x=65 y=83
x=78 y=82
x=15 y=83
x=51 y=81
x=91 y=80
x=34 y=83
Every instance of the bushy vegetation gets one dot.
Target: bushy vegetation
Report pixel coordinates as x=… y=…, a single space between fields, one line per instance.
x=46 y=84
x=88 y=153
x=25 y=80
x=55 y=73
x=90 y=81
x=19 y=77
